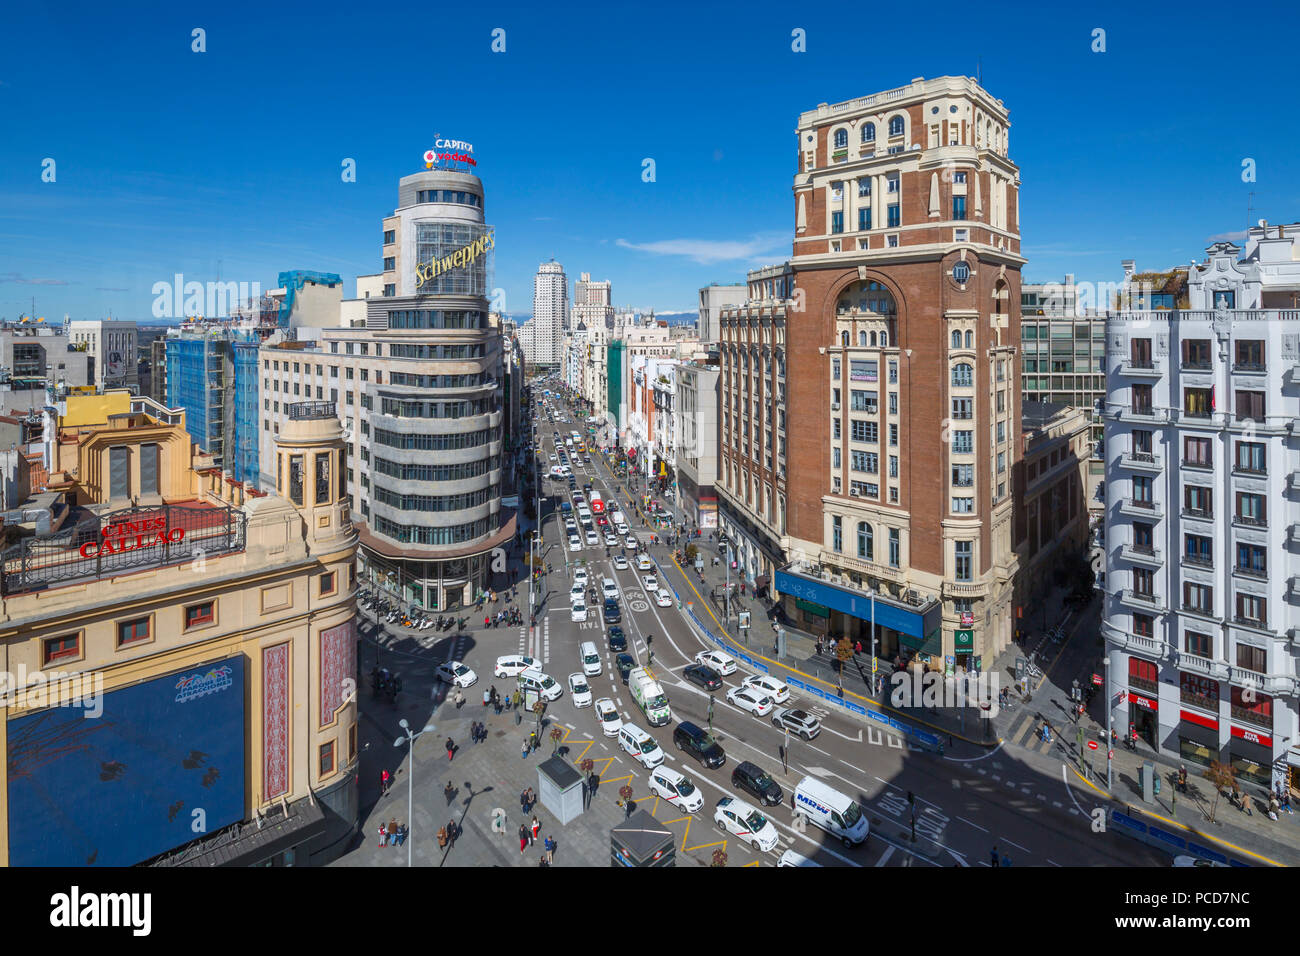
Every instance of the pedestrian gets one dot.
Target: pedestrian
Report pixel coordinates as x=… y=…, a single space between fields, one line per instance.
x=401 y=834
x=383 y=835
x=550 y=849
x=385 y=781
x=449 y=792
x=451 y=748
x=523 y=750
x=487 y=698
x=535 y=827
x=392 y=832
x=459 y=698
x=442 y=838
x=1006 y=861
x=1245 y=804
x=523 y=839
x=857 y=647
x=453 y=831
x=541 y=861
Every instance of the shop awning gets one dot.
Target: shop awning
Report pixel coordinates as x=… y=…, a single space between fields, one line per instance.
x=932 y=645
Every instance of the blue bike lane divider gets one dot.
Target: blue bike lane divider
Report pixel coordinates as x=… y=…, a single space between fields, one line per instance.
x=1167 y=840
x=924 y=738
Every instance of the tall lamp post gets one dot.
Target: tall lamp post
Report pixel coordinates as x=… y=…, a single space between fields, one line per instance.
x=410 y=740
x=1110 y=750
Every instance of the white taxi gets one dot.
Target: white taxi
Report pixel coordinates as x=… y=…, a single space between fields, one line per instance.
x=610 y=722
x=580 y=690
x=676 y=788
x=779 y=691
x=744 y=821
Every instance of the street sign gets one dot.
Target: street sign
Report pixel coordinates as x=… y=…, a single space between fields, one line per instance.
x=875 y=664
x=1092 y=745
x=743 y=620
x=1096 y=680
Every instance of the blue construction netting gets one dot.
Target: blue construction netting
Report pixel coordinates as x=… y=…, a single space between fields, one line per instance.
x=291 y=282
x=243 y=460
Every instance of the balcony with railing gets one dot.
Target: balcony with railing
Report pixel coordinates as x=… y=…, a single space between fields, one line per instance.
x=1141 y=508
x=1142 y=600
x=1208 y=667
x=1142 y=554
x=1148 y=647
x=1144 y=461
x=1138 y=368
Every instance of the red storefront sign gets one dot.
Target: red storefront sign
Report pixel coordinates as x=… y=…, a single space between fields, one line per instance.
x=1142 y=701
x=1096 y=679
x=1252 y=736
x=1194 y=718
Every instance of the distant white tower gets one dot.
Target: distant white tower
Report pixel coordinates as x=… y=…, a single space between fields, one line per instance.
x=550 y=312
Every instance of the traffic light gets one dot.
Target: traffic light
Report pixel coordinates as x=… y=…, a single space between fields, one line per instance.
x=910 y=798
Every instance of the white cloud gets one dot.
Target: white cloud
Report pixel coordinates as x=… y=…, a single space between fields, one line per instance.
x=1229 y=236
x=708 y=251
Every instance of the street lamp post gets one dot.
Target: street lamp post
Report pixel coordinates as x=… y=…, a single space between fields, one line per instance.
x=1109 y=749
x=409 y=740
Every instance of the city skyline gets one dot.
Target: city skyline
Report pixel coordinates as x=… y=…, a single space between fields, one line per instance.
x=166 y=179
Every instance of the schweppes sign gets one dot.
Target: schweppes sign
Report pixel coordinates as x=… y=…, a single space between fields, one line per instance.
x=463 y=256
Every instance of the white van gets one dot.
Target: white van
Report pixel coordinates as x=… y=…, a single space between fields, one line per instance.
x=590 y=659
x=546 y=687
x=640 y=745
x=829 y=809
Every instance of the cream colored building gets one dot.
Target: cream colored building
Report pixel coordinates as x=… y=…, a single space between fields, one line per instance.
x=180 y=653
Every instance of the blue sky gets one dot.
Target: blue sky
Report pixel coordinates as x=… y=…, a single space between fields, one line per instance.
x=172 y=161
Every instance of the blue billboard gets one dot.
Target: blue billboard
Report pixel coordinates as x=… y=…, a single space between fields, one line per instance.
x=917 y=623
x=163 y=764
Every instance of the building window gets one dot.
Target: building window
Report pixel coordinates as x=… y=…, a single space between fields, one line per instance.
x=841 y=139
x=895 y=548
x=963 y=476
x=893 y=435
x=866 y=542
x=837 y=222
x=1250 y=508
x=1141 y=399
x=835 y=368
x=959 y=208
x=1197 y=597
x=963 y=442
x=390 y=263
x=962 y=552
x=963 y=506
x=1143 y=626
x=1252 y=561
x=864 y=187
x=963 y=375
x=864 y=220
x=327 y=759
x=963 y=408
x=896 y=126
x=894 y=216
x=133 y=632
x=1198 y=644
x=837 y=533
x=1196 y=354
x=327 y=584
x=1197 y=452
x=67 y=647
x=1250 y=355
x=869 y=133
x=1250 y=457
x=390 y=236
x=119 y=475
x=956 y=338
x=961 y=272
x=197 y=615
x=1252 y=659
x=1252 y=609
x=1250 y=405
x=1198 y=549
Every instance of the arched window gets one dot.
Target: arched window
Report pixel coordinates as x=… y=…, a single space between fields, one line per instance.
x=862 y=340
x=896 y=126
x=970 y=339
x=844 y=339
x=873 y=339
x=869 y=133
x=841 y=138
x=963 y=374
x=866 y=544
x=956 y=338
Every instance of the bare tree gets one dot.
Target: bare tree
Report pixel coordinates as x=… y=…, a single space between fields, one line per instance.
x=1223 y=777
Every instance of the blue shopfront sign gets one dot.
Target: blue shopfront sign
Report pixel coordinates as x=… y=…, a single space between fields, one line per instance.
x=857 y=604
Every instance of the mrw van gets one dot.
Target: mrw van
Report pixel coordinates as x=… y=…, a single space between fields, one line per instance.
x=829 y=809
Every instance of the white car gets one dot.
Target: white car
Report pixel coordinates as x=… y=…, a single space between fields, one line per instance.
x=610 y=540
x=591 y=537
x=664 y=598
x=512 y=665
x=570 y=525
x=739 y=818
x=553 y=458
x=643 y=562
x=575 y=543
x=769 y=687
x=724 y=664
x=580 y=579
x=580 y=691
x=650 y=583
x=578 y=595
x=609 y=588
x=607 y=714
x=578 y=612
x=751 y=699
x=676 y=788
x=620 y=563
x=456 y=673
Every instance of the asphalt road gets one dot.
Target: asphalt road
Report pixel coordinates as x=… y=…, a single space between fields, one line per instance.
x=965 y=802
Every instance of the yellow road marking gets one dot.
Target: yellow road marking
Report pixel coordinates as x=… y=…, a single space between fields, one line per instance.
x=755 y=863
x=590 y=743
x=603 y=781
x=1175 y=823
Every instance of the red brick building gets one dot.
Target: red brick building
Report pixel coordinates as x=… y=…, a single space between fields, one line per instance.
x=900 y=377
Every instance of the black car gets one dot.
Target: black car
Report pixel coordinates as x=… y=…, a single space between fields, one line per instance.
x=624 y=663
x=756 y=781
x=696 y=741
x=612 y=614
x=617 y=642
x=706 y=677
x=586 y=489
